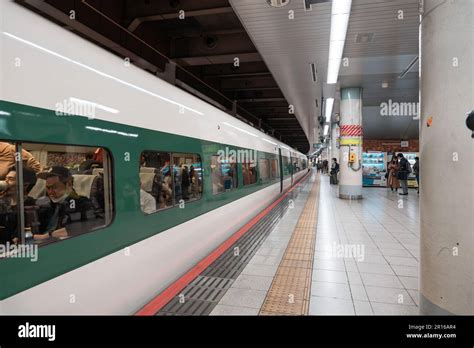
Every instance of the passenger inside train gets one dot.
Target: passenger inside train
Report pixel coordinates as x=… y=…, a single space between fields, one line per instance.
x=62 y=211
x=9 y=204
x=223 y=174
x=65 y=192
x=171 y=179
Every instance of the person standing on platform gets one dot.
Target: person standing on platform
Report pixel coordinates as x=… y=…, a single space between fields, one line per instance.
x=393 y=167
x=325 y=166
x=334 y=171
x=403 y=172
x=416 y=170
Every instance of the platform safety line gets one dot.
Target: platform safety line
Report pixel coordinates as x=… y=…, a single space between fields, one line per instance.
x=289 y=293
x=154 y=306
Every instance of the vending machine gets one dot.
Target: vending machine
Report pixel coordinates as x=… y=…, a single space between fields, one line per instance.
x=374 y=168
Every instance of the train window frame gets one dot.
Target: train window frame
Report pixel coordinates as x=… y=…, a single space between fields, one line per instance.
x=173 y=205
x=109 y=192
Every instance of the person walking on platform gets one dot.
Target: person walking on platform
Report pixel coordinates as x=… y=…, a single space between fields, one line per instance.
x=325 y=166
x=393 y=167
x=403 y=171
x=416 y=170
x=334 y=171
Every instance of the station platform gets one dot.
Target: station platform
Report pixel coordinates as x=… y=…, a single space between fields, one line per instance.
x=310 y=253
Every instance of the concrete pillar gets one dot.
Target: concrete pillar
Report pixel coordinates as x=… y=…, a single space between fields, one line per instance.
x=446 y=158
x=350 y=175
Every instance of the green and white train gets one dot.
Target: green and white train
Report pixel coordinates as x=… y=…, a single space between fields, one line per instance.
x=61 y=97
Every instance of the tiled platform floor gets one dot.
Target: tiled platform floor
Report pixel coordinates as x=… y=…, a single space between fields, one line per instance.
x=367 y=251
x=366 y=257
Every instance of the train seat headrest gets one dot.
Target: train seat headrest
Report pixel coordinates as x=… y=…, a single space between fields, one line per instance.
x=83 y=184
x=147 y=170
x=146 y=180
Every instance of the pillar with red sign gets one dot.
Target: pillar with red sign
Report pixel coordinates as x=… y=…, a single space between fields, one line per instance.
x=350 y=151
x=334 y=142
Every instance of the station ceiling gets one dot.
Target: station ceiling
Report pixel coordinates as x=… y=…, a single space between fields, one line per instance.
x=382 y=39
x=202 y=47
x=282 y=60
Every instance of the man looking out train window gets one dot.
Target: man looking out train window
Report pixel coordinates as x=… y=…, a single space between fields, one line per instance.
x=63 y=212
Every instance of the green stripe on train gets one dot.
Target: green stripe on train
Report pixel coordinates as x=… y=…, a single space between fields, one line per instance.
x=30 y=124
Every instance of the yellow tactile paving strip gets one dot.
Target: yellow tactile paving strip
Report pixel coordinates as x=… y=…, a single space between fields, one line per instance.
x=290 y=291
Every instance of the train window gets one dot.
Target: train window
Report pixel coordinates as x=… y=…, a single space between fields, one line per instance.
x=275 y=168
x=286 y=166
x=264 y=169
x=156 y=181
x=187 y=174
x=224 y=174
x=66 y=191
x=249 y=170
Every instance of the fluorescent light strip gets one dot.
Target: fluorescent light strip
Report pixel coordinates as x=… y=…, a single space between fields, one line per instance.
x=329 y=106
x=102 y=73
x=326 y=129
x=95 y=105
x=340 y=12
x=240 y=129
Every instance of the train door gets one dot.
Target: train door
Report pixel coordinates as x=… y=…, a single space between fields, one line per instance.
x=291 y=168
x=280 y=160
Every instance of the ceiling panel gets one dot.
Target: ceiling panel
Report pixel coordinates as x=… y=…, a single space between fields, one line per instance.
x=382 y=60
x=288 y=46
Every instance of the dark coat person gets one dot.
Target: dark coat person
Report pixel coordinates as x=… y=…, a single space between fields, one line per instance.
x=64 y=212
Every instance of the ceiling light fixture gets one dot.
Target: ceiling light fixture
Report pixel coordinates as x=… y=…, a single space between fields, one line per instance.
x=329 y=106
x=314 y=72
x=340 y=13
x=326 y=129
